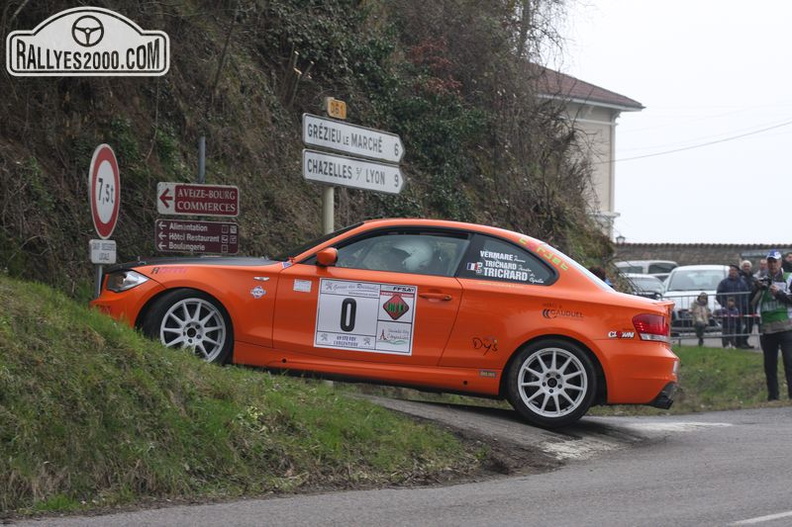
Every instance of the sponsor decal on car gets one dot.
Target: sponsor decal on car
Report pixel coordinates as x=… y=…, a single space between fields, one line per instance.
x=169 y=270
x=302 y=286
x=552 y=311
x=365 y=316
x=486 y=343
x=258 y=292
x=551 y=257
x=621 y=334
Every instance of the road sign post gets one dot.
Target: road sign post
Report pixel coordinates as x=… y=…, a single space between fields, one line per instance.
x=103 y=251
x=371 y=163
x=104 y=184
x=104 y=190
x=196 y=236
x=357 y=141
x=351 y=172
x=189 y=199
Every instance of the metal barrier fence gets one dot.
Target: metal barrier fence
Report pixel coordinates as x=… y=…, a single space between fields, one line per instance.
x=738 y=328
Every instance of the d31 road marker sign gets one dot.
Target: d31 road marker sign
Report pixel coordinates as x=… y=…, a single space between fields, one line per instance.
x=351 y=172
x=352 y=139
x=196 y=236
x=197 y=200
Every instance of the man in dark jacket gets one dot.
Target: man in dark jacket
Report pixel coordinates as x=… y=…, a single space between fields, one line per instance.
x=734 y=285
x=748 y=317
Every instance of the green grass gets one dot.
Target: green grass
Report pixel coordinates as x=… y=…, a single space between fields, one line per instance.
x=93 y=415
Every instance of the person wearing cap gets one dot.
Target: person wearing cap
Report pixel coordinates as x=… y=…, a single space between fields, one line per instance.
x=746 y=268
x=773 y=301
x=734 y=286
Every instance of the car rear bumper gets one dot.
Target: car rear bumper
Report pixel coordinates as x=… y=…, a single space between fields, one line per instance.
x=665 y=398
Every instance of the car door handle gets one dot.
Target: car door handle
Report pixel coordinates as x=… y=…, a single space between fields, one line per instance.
x=435 y=296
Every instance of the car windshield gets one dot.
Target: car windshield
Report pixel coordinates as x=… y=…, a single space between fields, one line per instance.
x=703 y=280
x=646 y=282
x=291 y=253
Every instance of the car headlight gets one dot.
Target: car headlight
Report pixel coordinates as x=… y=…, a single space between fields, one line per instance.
x=124 y=280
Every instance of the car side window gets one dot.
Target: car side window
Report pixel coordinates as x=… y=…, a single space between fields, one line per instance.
x=405 y=252
x=495 y=259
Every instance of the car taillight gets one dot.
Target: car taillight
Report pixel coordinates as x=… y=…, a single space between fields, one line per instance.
x=652 y=327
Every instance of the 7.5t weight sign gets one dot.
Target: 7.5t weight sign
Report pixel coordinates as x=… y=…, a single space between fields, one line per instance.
x=365 y=316
x=104 y=187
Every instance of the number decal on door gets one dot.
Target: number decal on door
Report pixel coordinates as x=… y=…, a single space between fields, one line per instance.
x=365 y=316
x=348 y=309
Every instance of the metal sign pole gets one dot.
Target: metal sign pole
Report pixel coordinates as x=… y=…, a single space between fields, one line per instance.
x=97 y=280
x=328 y=209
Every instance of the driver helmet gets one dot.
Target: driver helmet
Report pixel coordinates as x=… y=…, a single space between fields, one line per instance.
x=417 y=254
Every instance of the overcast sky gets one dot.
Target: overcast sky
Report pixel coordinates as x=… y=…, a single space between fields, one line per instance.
x=708 y=159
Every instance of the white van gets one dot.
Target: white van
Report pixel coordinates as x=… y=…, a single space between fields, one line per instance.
x=658 y=268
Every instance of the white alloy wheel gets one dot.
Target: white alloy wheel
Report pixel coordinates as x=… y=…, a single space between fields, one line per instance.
x=191 y=320
x=551 y=383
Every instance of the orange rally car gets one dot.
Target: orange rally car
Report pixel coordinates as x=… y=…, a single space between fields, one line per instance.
x=431 y=304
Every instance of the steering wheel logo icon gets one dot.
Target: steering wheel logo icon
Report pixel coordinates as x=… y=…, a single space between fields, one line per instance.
x=87 y=31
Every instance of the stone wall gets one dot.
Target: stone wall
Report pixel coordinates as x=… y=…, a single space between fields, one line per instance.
x=690 y=254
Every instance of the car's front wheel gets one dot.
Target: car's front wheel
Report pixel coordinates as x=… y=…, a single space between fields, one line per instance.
x=185 y=318
x=551 y=383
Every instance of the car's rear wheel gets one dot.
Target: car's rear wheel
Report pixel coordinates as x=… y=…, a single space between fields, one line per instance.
x=185 y=318
x=551 y=383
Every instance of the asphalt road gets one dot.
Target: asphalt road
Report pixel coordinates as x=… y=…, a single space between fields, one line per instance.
x=724 y=468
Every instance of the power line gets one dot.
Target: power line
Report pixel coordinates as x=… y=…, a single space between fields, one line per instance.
x=724 y=140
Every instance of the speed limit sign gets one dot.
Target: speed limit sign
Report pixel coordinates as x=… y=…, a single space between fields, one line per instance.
x=104 y=186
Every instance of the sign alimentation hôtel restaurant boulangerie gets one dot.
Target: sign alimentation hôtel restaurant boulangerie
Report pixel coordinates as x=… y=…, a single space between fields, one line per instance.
x=87 y=41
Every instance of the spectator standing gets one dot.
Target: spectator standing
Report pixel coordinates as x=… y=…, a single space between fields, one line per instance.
x=748 y=316
x=701 y=314
x=773 y=300
x=762 y=268
x=730 y=321
x=734 y=286
x=600 y=273
x=786 y=265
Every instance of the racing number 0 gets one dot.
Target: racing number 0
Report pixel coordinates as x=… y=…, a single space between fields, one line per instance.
x=348 y=314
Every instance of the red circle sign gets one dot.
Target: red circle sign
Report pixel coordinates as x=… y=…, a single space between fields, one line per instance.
x=104 y=184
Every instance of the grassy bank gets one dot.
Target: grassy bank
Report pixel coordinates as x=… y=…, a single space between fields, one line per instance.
x=92 y=415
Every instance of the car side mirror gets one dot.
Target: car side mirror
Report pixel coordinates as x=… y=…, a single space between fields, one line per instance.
x=327 y=257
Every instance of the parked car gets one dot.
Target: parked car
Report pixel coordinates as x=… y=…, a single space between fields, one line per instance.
x=683 y=286
x=644 y=285
x=438 y=305
x=658 y=268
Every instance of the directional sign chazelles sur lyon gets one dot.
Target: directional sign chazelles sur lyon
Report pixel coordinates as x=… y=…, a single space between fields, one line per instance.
x=196 y=236
x=351 y=172
x=197 y=200
x=352 y=139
